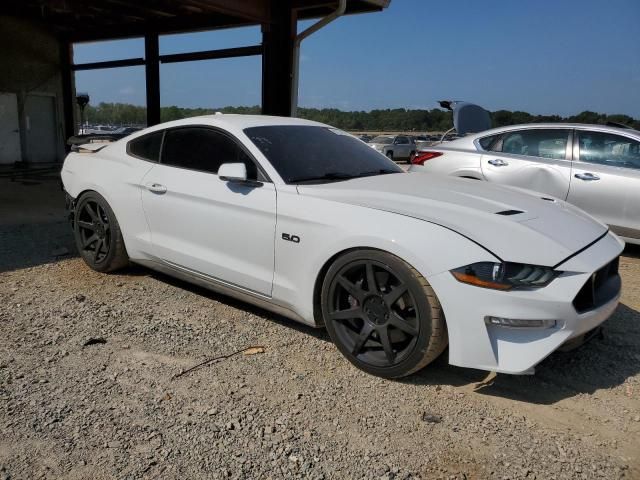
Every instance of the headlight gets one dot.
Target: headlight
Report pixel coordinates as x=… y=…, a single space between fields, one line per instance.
x=505 y=276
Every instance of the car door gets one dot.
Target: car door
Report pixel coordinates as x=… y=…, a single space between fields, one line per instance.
x=606 y=179
x=205 y=225
x=538 y=159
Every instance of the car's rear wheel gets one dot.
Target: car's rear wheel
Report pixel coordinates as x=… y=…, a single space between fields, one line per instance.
x=97 y=234
x=382 y=314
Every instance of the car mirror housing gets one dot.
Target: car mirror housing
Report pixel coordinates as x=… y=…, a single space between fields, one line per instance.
x=233 y=172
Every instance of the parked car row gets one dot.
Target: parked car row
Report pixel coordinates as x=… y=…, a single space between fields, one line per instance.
x=310 y=222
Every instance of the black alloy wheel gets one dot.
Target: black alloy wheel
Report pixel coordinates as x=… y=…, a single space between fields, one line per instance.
x=377 y=311
x=93 y=228
x=98 y=236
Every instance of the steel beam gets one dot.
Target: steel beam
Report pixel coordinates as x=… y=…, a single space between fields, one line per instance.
x=152 y=77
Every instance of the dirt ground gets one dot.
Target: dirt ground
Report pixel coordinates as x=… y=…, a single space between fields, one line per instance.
x=89 y=385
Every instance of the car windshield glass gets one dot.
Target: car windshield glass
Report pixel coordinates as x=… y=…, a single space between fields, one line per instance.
x=382 y=140
x=310 y=154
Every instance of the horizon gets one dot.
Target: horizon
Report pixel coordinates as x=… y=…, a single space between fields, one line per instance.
x=218 y=107
x=542 y=58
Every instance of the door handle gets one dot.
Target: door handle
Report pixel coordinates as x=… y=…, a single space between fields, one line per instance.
x=589 y=177
x=498 y=162
x=156 y=188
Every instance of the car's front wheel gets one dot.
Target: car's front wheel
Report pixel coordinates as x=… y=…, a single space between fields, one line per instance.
x=382 y=314
x=97 y=234
x=390 y=154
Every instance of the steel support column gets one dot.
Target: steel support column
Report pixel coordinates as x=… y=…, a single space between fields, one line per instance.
x=152 y=75
x=278 y=39
x=68 y=101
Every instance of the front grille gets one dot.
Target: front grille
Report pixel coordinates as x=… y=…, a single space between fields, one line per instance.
x=601 y=288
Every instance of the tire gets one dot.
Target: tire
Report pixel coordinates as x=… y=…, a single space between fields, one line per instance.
x=98 y=235
x=382 y=315
x=389 y=155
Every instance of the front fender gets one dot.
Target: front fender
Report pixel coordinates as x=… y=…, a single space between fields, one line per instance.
x=327 y=228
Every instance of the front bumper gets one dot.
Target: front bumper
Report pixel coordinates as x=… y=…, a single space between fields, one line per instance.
x=474 y=344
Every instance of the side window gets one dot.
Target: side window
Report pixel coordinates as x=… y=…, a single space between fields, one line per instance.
x=609 y=149
x=487 y=142
x=545 y=143
x=402 y=140
x=146 y=147
x=204 y=149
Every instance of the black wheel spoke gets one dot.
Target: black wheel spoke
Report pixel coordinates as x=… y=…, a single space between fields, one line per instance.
x=90 y=240
x=402 y=324
x=372 y=285
x=385 y=340
x=87 y=225
x=355 y=291
x=347 y=314
x=395 y=293
x=92 y=213
x=97 y=250
x=365 y=333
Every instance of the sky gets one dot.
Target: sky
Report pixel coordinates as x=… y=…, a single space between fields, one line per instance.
x=540 y=56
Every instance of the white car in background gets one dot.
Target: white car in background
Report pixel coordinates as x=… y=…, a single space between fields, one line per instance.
x=310 y=222
x=595 y=167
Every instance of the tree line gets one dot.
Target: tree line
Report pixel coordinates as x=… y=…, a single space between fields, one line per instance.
x=397 y=119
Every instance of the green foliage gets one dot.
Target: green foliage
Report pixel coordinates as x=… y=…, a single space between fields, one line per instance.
x=397 y=119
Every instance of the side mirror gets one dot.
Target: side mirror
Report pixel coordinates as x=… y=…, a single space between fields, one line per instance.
x=233 y=172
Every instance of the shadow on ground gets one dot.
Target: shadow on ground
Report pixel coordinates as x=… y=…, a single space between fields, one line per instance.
x=601 y=363
x=33 y=226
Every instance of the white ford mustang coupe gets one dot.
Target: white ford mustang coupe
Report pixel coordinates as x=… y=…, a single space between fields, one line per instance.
x=310 y=222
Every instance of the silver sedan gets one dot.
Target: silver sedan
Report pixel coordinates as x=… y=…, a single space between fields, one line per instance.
x=594 y=167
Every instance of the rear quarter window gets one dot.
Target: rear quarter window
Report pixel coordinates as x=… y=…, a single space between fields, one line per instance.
x=146 y=147
x=487 y=142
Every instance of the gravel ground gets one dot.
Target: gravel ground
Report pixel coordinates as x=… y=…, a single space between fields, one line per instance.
x=88 y=389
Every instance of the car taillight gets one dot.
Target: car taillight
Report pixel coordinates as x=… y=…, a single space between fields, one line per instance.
x=422 y=157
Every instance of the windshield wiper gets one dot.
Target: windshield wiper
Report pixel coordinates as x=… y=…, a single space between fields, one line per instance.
x=325 y=176
x=381 y=171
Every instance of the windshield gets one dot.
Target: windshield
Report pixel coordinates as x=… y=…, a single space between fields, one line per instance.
x=305 y=153
x=382 y=140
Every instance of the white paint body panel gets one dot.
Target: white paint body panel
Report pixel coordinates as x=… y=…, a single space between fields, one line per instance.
x=614 y=198
x=434 y=223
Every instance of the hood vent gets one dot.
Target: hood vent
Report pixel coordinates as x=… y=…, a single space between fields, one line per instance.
x=506 y=213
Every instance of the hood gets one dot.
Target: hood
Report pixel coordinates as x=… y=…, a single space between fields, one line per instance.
x=515 y=225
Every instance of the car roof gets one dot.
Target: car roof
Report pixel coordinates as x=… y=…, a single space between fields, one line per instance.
x=581 y=126
x=238 y=121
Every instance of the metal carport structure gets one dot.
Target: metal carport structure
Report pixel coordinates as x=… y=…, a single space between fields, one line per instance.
x=73 y=21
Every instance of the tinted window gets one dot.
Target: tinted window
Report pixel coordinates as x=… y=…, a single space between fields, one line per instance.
x=308 y=153
x=545 y=143
x=487 y=142
x=609 y=149
x=204 y=149
x=402 y=140
x=147 y=146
